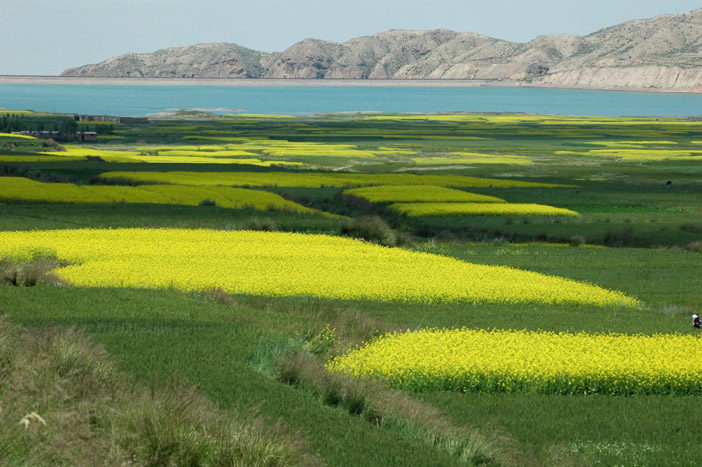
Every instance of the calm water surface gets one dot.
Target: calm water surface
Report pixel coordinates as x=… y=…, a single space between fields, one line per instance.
x=305 y=100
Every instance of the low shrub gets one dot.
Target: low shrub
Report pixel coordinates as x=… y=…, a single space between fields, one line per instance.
x=692 y=227
x=208 y=202
x=371 y=228
x=620 y=238
x=262 y=224
x=29 y=273
x=576 y=240
x=322 y=342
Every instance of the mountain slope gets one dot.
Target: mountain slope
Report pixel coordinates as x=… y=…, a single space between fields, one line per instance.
x=197 y=61
x=664 y=53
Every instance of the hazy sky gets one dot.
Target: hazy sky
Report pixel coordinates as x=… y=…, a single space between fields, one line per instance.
x=44 y=37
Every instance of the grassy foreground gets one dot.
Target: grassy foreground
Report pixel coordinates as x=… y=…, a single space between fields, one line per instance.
x=66 y=403
x=221 y=343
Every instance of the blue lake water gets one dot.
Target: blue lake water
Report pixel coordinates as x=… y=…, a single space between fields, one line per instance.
x=305 y=100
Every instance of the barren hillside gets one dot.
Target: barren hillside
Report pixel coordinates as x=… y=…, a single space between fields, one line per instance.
x=661 y=53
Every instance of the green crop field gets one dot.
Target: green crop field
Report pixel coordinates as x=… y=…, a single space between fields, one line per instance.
x=244 y=290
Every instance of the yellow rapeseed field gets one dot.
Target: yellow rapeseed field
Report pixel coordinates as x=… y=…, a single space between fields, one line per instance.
x=317 y=179
x=13 y=136
x=17 y=189
x=418 y=194
x=239 y=147
x=284 y=148
x=73 y=153
x=638 y=153
x=251 y=149
x=287 y=264
x=199 y=148
x=105 y=154
x=521 y=361
x=630 y=143
x=203 y=153
x=479 y=209
x=468 y=158
x=40 y=158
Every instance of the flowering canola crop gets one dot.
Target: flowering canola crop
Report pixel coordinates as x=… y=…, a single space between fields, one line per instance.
x=316 y=179
x=13 y=136
x=18 y=189
x=418 y=194
x=274 y=148
x=470 y=158
x=639 y=153
x=479 y=209
x=40 y=158
x=522 y=361
x=287 y=264
x=73 y=153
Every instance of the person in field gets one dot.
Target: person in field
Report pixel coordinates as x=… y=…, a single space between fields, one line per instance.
x=696 y=321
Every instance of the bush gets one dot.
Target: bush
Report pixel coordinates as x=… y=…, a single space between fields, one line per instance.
x=29 y=273
x=692 y=227
x=576 y=240
x=623 y=238
x=94 y=159
x=262 y=224
x=207 y=202
x=423 y=230
x=371 y=228
x=322 y=342
x=359 y=205
x=50 y=143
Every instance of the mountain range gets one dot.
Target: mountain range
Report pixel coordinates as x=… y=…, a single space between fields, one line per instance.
x=660 y=53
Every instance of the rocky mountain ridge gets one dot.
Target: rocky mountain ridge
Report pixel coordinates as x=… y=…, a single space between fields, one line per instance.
x=661 y=53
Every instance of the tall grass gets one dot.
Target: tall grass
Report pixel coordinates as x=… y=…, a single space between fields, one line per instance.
x=395 y=411
x=300 y=363
x=64 y=402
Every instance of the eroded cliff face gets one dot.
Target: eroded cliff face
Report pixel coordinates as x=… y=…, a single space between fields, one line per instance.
x=661 y=53
x=648 y=77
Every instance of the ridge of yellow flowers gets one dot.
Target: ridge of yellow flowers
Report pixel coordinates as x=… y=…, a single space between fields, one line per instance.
x=289 y=264
x=530 y=361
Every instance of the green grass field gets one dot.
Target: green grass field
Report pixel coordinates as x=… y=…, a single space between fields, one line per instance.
x=260 y=359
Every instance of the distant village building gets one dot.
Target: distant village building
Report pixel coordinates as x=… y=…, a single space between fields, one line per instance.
x=95 y=118
x=86 y=136
x=109 y=118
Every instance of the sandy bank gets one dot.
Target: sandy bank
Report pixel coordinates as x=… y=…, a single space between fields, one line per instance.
x=6 y=79
x=83 y=81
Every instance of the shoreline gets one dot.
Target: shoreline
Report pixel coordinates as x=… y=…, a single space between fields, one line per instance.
x=81 y=80
x=265 y=82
